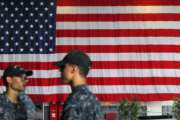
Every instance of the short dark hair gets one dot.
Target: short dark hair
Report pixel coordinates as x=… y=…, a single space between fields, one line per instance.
x=83 y=71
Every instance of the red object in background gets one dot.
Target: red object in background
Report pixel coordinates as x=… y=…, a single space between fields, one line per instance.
x=55 y=111
x=111 y=116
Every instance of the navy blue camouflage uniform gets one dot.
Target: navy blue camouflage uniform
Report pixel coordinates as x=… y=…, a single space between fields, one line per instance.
x=23 y=110
x=82 y=105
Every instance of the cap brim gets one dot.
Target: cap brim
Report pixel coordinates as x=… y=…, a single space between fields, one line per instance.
x=29 y=73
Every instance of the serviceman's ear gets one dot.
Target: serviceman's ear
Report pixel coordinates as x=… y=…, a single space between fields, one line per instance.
x=9 y=80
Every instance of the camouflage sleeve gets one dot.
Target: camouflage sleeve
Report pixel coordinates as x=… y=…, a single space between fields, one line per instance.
x=94 y=107
x=98 y=112
x=29 y=105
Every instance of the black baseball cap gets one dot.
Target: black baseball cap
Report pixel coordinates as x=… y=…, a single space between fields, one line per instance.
x=76 y=57
x=15 y=70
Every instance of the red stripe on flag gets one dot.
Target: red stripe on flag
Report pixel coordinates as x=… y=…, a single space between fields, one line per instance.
x=109 y=81
x=117 y=2
x=44 y=82
x=119 y=33
x=142 y=97
x=136 y=64
x=107 y=97
x=117 y=17
x=30 y=65
x=119 y=48
x=49 y=98
x=134 y=81
x=101 y=65
x=41 y=82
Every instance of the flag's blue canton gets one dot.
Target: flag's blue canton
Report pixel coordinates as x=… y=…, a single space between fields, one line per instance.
x=27 y=26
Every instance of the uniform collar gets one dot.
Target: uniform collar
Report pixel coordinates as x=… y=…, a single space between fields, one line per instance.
x=80 y=87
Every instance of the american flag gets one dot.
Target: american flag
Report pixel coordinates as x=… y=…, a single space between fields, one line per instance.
x=134 y=45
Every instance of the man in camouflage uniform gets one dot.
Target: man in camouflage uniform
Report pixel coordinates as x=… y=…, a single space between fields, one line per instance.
x=14 y=103
x=81 y=104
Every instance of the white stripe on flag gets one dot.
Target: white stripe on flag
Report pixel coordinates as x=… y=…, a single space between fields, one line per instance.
x=118 y=41
x=118 y=9
x=30 y=57
x=105 y=89
x=112 y=73
x=94 y=57
x=113 y=89
x=119 y=25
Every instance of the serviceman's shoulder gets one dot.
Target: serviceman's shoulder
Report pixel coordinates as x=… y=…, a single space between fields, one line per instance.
x=85 y=97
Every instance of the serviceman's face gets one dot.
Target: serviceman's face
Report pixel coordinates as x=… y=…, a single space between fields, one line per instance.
x=67 y=73
x=17 y=82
